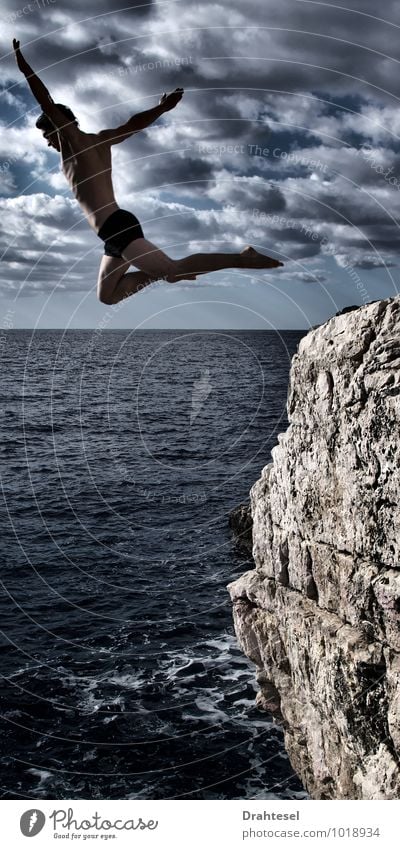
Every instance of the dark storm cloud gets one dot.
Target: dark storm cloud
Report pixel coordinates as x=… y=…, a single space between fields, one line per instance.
x=304 y=277
x=374 y=263
x=291 y=45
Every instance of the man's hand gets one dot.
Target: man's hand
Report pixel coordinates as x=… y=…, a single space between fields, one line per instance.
x=169 y=101
x=22 y=64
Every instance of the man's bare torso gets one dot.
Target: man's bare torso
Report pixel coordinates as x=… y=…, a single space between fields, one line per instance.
x=86 y=164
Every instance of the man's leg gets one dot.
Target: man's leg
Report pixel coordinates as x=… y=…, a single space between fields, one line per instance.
x=114 y=284
x=155 y=262
x=204 y=263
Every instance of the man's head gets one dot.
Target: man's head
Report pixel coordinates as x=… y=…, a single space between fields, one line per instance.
x=49 y=132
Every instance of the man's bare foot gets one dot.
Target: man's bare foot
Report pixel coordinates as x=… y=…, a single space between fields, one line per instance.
x=177 y=279
x=253 y=259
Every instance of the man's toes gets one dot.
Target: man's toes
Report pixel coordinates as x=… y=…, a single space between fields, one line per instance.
x=173 y=278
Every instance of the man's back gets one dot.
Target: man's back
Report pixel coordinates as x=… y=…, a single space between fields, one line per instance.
x=86 y=164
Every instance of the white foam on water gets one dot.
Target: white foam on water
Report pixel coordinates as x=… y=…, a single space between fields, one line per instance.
x=128 y=680
x=43 y=775
x=209 y=711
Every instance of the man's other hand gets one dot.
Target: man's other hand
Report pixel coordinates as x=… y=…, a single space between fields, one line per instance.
x=169 y=101
x=19 y=57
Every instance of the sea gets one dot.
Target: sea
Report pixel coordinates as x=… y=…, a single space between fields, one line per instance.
x=123 y=453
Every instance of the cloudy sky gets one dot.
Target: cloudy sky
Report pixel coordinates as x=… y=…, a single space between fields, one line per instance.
x=287 y=138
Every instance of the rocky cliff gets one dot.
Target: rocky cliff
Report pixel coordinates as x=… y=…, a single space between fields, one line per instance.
x=320 y=613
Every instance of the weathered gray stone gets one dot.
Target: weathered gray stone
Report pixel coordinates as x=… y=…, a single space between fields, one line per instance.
x=320 y=613
x=241 y=522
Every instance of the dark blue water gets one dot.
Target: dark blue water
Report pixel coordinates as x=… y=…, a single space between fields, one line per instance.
x=122 y=455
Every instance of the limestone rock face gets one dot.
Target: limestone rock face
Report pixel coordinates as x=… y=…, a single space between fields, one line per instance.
x=242 y=524
x=320 y=613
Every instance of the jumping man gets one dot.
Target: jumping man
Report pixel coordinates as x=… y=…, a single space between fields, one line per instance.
x=86 y=164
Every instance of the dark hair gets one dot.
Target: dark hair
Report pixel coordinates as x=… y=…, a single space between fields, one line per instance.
x=44 y=123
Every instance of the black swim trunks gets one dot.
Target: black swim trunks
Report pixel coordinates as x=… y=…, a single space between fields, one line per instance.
x=120 y=228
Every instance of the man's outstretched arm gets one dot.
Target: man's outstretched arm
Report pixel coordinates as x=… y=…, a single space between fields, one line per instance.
x=39 y=90
x=142 y=119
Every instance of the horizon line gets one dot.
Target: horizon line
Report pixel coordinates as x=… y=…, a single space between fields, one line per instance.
x=158 y=329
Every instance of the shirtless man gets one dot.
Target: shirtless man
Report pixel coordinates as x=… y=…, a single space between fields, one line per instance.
x=86 y=164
